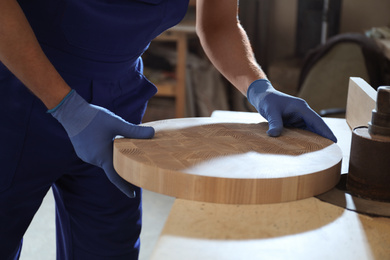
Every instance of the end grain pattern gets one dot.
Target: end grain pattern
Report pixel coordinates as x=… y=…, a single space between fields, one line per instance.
x=214 y=160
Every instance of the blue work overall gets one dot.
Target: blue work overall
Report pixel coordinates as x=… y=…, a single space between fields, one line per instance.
x=96 y=47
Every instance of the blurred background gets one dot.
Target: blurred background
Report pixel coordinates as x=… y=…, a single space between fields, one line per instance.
x=308 y=48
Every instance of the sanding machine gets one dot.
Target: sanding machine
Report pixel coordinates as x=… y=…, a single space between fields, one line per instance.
x=369 y=166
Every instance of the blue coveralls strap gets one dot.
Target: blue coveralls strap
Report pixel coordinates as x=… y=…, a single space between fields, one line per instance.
x=96 y=46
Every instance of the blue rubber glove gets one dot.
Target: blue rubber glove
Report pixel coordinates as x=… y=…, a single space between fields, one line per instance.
x=284 y=110
x=92 y=130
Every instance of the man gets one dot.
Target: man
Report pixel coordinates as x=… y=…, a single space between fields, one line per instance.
x=61 y=56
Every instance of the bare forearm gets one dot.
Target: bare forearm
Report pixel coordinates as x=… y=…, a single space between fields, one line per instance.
x=21 y=53
x=226 y=43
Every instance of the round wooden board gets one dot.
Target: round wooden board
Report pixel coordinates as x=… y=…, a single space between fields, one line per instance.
x=214 y=160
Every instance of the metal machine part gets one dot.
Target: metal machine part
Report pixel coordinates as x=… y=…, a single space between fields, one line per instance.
x=380 y=122
x=340 y=196
x=369 y=166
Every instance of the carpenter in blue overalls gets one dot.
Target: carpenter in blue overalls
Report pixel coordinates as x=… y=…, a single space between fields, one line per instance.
x=95 y=45
x=98 y=92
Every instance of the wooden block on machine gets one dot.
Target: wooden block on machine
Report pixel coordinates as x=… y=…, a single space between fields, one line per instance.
x=218 y=160
x=360 y=103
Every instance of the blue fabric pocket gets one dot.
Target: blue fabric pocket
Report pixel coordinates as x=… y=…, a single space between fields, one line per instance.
x=15 y=109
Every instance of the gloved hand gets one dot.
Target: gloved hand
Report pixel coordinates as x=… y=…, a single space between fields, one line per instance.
x=284 y=110
x=92 y=130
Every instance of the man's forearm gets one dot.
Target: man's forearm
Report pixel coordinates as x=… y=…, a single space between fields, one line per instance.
x=21 y=53
x=226 y=43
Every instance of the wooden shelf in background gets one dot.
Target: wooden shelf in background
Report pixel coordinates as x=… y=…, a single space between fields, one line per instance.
x=177 y=89
x=166 y=89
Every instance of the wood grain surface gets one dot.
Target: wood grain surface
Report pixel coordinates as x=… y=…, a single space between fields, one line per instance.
x=214 y=160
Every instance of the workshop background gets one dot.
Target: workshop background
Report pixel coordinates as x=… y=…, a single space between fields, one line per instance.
x=288 y=42
x=288 y=39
